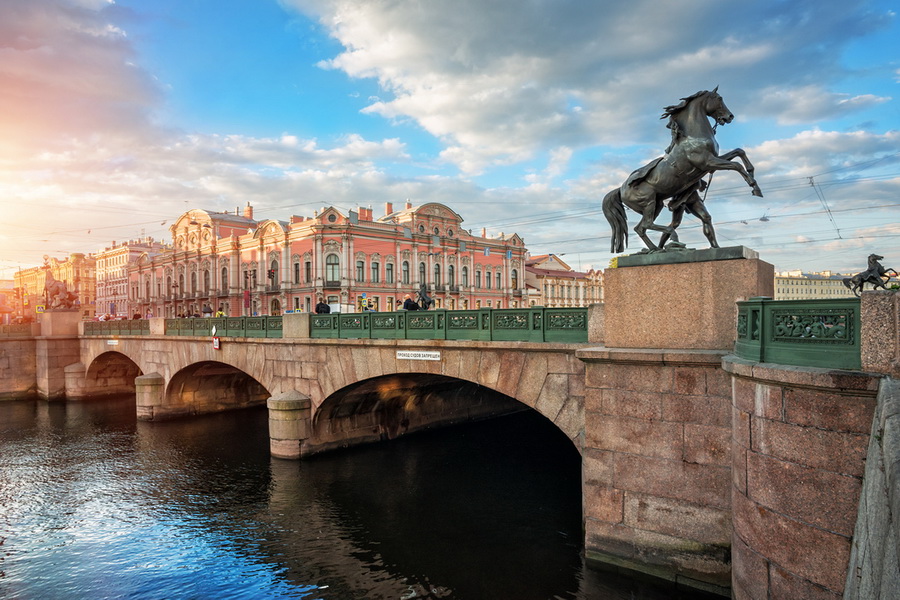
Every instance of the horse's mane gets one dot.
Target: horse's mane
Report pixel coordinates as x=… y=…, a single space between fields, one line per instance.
x=671 y=111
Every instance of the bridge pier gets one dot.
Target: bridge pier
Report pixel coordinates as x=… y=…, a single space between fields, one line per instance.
x=150 y=392
x=657 y=457
x=290 y=423
x=55 y=349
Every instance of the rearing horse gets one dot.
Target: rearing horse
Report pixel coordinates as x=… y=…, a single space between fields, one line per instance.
x=692 y=154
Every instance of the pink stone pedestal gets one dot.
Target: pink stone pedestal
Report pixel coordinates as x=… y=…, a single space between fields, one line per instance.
x=681 y=305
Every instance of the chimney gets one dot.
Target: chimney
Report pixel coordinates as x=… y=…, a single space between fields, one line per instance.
x=408 y=204
x=248 y=212
x=484 y=232
x=388 y=208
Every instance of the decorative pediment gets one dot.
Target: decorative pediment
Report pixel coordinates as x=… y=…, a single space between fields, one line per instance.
x=332 y=246
x=433 y=209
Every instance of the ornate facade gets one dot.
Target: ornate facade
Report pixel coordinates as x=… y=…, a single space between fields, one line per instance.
x=112 y=274
x=241 y=266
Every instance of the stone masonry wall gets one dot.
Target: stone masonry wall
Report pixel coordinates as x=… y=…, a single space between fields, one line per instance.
x=657 y=464
x=799 y=451
x=874 y=571
x=18 y=368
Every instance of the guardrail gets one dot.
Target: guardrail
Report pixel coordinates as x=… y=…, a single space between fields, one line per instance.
x=123 y=327
x=806 y=333
x=21 y=330
x=255 y=327
x=525 y=325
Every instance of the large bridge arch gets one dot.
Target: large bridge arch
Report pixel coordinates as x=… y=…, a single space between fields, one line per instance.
x=545 y=377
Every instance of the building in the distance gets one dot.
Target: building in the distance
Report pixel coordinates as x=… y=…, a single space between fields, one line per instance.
x=77 y=271
x=243 y=266
x=797 y=285
x=553 y=283
x=112 y=274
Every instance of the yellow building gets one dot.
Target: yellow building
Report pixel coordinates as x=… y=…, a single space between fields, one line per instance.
x=553 y=283
x=796 y=285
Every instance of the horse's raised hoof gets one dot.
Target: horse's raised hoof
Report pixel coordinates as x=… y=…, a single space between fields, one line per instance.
x=756 y=191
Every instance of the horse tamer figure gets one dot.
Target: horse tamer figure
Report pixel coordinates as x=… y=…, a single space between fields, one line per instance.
x=876 y=275
x=678 y=175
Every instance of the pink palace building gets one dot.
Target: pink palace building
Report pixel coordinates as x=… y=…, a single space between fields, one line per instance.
x=235 y=264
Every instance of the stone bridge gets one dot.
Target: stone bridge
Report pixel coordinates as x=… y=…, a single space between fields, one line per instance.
x=733 y=473
x=328 y=393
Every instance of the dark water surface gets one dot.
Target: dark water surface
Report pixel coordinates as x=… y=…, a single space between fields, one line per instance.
x=96 y=505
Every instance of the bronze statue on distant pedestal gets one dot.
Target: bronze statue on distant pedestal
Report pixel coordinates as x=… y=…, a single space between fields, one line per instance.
x=56 y=295
x=678 y=175
x=876 y=275
x=423 y=299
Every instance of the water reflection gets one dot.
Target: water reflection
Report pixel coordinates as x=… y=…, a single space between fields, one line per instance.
x=96 y=505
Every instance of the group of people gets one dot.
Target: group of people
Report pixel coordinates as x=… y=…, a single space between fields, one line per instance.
x=406 y=304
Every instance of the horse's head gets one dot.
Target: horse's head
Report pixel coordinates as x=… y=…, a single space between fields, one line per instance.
x=715 y=107
x=874 y=258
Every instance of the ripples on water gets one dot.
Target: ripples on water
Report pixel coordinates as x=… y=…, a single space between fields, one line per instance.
x=96 y=505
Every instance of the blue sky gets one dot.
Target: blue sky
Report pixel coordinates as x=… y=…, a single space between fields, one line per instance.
x=118 y=117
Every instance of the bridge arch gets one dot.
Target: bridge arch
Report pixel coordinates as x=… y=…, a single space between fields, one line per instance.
x=389 y=406
x=212 y=386
x=108 y=373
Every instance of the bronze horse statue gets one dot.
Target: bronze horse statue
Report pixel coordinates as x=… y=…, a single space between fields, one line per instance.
x=876 y=275
x=678 y=175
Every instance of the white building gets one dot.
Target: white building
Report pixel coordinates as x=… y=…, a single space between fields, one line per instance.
x=551 y=282
x=112 y=274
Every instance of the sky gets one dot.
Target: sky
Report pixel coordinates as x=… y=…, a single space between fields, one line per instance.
x=520 y=115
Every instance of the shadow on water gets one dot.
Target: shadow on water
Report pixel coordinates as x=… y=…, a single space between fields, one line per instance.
x=94 y=504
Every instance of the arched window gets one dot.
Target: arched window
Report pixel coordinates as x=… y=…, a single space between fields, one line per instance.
x=376 y=272
x=193 y=281
x=422 y=273
x=437 y=274
x=515 y=279
x=465 y=277
x=487 y=279
x=272 y=275
x=478 y=279
x=389 y=273
x=405 y=271
x=206 y=281
x=499 y=281
x=332 y=268
x=360 y=270
x=180 y=289
x=451 y=275
x=223 y=283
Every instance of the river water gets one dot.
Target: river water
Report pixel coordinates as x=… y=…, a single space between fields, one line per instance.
x=94 y=504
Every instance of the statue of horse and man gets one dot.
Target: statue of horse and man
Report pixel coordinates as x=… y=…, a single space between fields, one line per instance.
x=678 y=176
x=56 y=294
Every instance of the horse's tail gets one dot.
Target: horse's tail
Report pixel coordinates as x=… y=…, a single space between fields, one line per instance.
x=847 y=282
x=615 y=214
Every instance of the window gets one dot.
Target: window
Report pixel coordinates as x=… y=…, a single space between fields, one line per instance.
x=515 y=279
x=477 y=279
x=307 y=267
x=224 y=282
x=389 y=273
x=376 y=272
x=332 y=268
x=487 y=280
x=437 y=274
x=272 y=275
x=360 y=270
x=499 y=281
x=451 y=275
x=193 y=281
x=422 y=273
x=465 y=277
x=296 y=275
x=405 y=271
x=206 y=281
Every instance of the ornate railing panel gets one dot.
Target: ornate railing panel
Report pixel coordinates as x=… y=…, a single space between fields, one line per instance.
x=20 y=330
x=525 y=325
x=811 y=333
x=122 y=327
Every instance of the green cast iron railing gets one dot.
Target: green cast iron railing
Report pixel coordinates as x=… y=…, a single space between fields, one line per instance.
x=255 y=327
x=22 y=330
x=806 y=333
x=524 y=325
x=124 y=327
